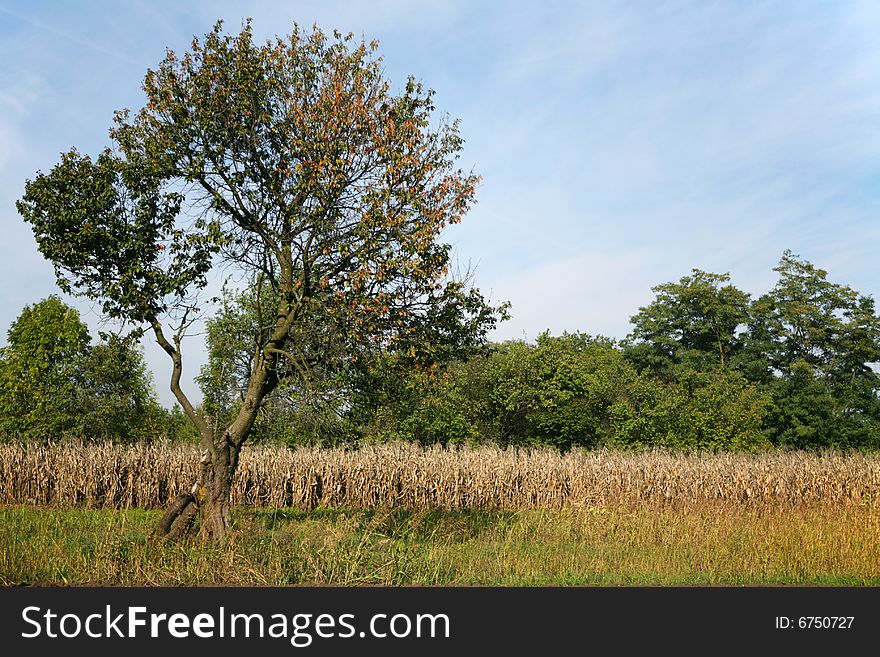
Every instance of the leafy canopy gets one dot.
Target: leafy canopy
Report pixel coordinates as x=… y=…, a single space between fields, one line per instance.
x=291 y=166
x=815 y=345
x=38 y=369
x=693 y=321
x=830 y=328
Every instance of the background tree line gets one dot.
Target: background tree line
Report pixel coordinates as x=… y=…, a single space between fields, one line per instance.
x=706 y=366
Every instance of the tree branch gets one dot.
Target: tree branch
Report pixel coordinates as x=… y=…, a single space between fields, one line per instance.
x=177 y=361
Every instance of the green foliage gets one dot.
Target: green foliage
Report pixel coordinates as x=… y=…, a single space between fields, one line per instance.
x=442 y=414
x=692 y=322
x=807 y=413
x=175 y=426
x=230 y=338
x=39 y=371
x=572 y=391
x=808 y=320
x=116 y=399
x=557 y=392
x=53 y=383
x=712 y=410
x=108 y=227
x=716 y=409
x=809 y=345
x=307 y=407
x=815 y=345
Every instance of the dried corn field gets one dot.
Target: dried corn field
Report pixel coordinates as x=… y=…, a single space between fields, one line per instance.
x=407 y=476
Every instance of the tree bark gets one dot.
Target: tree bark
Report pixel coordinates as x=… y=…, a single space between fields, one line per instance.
x=209 y=499
x=214 y=490
x=182 y=503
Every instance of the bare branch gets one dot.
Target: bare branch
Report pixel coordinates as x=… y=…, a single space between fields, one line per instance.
x=177 y=361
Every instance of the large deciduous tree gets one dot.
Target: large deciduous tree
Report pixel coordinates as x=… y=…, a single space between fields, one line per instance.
x=807 y=319
x=292 y=165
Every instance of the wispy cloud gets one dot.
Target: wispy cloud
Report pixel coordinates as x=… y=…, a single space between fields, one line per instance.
x=599 y=292
x=18 y=98
x=74 y=37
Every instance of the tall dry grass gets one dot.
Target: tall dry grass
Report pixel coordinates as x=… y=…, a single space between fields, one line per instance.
x=407 y=476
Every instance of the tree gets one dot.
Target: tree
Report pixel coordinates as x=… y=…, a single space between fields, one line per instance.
x=55 y=384
x=39 y=371
x=693 y=321
x=556 y=392
x=303 y=409
x=815 y=345
x=830 y=327
x=293 y=166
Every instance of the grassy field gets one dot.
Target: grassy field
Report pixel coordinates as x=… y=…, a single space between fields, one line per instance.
x=404 y=515
x=635 y=544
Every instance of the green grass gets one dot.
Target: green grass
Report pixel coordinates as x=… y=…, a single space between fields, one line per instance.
x=708 y=544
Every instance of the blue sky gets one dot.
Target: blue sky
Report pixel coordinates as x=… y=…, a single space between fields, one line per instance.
x=620 y=144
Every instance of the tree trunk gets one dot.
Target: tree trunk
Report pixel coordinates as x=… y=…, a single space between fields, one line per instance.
x=213 y=493
x=210 y=494
x=209 y=498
